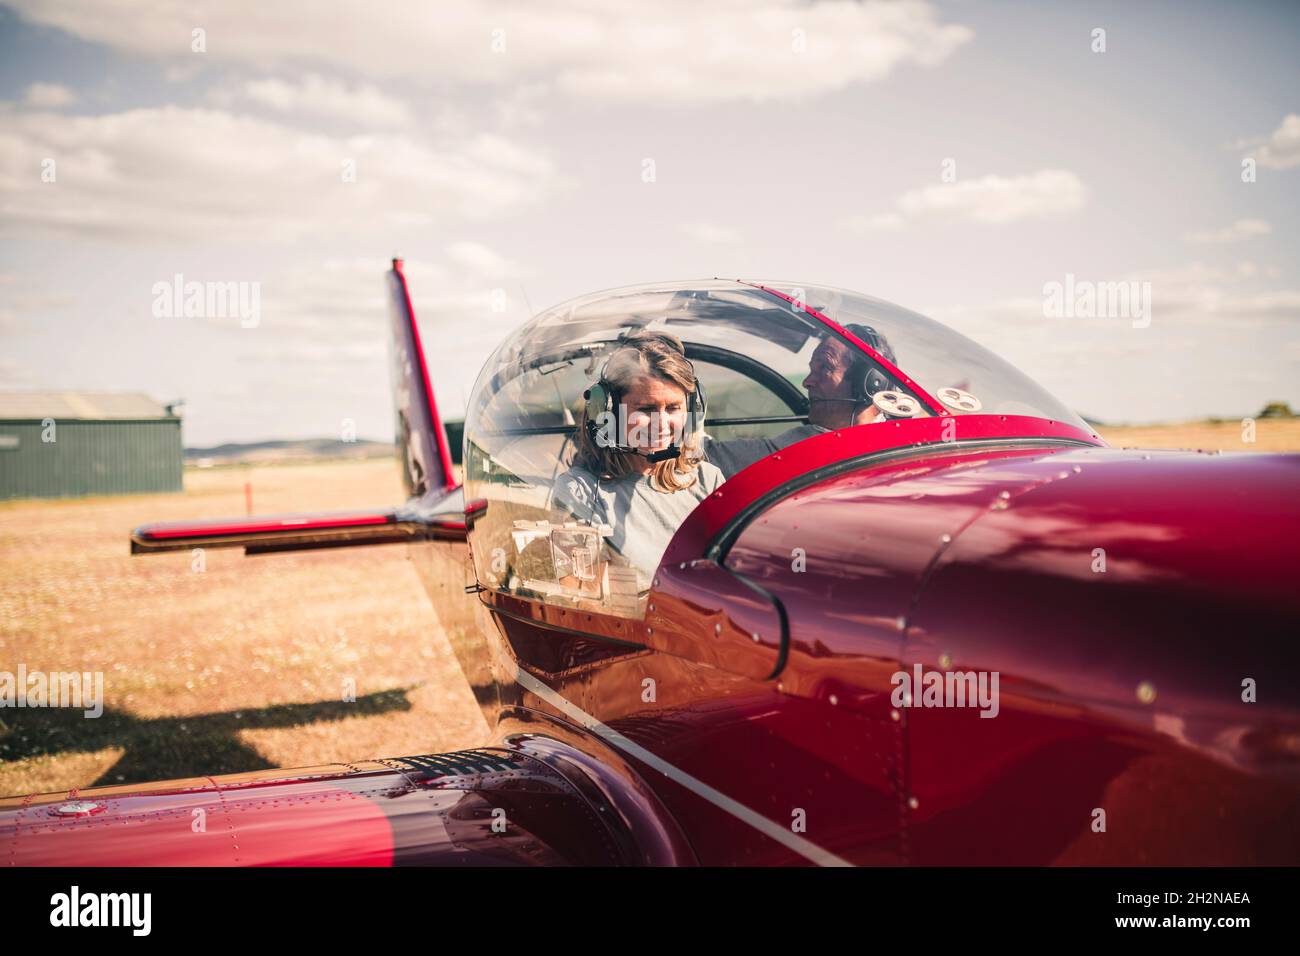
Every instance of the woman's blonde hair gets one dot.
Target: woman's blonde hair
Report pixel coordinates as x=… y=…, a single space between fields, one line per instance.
x=645 y=353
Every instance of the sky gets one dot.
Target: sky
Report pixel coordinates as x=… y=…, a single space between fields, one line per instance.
x=960 y=159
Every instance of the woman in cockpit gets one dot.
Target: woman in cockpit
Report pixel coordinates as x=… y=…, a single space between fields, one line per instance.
x=638 y=466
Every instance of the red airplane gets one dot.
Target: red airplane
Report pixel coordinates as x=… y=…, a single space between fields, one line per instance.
x=956 y=629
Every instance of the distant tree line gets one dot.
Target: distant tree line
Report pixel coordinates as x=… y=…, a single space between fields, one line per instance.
x=1276 y=410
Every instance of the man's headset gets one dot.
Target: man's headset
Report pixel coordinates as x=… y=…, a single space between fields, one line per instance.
x=872 y=385
x=867 y=377
x=599 y=397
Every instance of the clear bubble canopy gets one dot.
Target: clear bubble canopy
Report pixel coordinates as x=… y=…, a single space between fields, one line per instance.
x=753 y=347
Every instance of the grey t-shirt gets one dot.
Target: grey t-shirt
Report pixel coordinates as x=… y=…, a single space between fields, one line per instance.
x=739 y=453
x=644 y=520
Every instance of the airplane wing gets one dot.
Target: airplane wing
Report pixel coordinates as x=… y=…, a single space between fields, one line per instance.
x=301 y=532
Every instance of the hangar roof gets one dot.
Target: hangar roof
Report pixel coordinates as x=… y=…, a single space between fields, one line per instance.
x=71 y=405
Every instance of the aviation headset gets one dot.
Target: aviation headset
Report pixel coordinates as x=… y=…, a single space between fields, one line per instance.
x=599 y=398
x=865 y=375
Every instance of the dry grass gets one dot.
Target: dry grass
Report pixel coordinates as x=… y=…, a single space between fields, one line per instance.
x=1271 y=434
x=237 y=668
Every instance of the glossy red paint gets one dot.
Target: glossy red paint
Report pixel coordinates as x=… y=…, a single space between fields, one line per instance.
x=296 y=532
x=1125 y=598
x=302 y=819
x=263 y=523
x=744 y=758
x=854 y=549
x=983 y=561
x=487 y=807
x=744 y=624
x=848 y=445
x=873 y=536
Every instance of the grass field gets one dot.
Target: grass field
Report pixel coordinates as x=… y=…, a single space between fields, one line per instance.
x=237 y=668
x=242 y=666
x=1271 y=434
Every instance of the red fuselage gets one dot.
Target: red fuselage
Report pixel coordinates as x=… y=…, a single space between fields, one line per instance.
x=1122 y=597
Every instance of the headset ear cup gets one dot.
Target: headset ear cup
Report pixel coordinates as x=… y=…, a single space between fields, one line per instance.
x=597 y=398
x=862 y=382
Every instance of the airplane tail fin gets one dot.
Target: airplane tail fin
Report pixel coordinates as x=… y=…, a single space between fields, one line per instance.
x=422 y=447
x=435 y=509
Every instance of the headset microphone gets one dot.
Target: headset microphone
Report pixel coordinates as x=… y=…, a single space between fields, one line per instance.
x=672 y=451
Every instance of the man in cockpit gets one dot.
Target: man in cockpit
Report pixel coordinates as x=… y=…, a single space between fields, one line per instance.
x=836 y=399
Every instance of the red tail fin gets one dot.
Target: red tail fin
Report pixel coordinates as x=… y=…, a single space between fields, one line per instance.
x=422 y=446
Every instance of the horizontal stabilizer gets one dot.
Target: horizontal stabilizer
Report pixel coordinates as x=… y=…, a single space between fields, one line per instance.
x=301 y=532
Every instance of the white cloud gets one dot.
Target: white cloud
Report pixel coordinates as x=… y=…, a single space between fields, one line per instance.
x=364 y=105
x=1198 y=274
x=1282 y=305
x=1192 y=295
x=710 y=233
x=1196 y=295
x=989 y=199
x=519 y=106
x=328 y=321
x=478 y=259
x=1238 y=231
x=1201 y=354
x=192 y=173
x=13 y=374
x=184 y=71
x=881 y=222
x=343 y=300
x=648 y=51
x=27 y=303
x=48 y=96
x=1281 y=148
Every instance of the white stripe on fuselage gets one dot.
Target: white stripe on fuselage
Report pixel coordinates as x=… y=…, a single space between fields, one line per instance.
x=698 y=787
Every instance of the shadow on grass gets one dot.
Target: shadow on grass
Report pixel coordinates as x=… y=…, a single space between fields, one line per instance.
x=163 y=748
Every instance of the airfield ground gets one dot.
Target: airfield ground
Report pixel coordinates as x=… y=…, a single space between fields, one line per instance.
x=239 y=667
x=243 y=666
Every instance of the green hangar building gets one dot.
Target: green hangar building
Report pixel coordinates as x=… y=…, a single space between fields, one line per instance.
x=61 y=444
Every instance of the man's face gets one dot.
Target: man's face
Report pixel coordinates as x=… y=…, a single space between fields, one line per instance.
x=828 y=379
